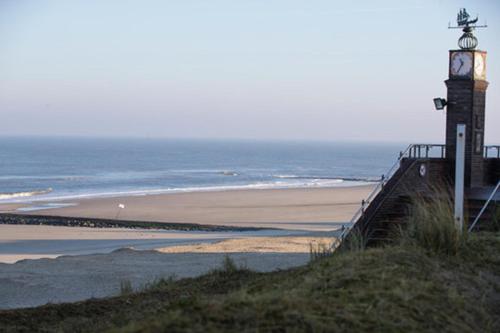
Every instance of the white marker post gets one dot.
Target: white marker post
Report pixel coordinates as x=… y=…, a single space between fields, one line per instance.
x=459 y=177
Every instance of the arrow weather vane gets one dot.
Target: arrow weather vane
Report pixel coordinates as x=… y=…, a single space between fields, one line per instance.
x=467 y=41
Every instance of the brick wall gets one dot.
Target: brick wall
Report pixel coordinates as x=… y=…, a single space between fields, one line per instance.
x=466 y=105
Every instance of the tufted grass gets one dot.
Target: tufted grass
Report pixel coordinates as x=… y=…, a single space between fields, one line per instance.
x=431 y=225
x=399 y=288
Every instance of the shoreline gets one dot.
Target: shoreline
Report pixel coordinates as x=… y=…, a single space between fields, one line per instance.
x=11 y=203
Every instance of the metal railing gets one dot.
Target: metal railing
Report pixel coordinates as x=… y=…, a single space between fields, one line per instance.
x=492 y=195
x=423 y=150
x=493 y=148
x=412 y=151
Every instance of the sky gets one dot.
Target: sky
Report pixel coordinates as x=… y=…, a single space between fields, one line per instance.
x=249 y=69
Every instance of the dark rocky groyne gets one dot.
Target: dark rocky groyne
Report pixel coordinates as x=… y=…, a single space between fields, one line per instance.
x=109 y=223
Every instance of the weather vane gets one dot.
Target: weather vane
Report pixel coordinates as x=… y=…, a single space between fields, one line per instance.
x=467 y=41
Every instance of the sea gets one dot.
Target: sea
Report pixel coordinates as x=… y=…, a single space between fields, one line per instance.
x=62 y=168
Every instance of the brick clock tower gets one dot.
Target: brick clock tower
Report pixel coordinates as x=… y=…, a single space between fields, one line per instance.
x=466 y=101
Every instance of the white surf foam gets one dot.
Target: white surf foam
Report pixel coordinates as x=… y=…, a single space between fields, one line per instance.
x=13 y=195
x=288 y=184
x=49 y=205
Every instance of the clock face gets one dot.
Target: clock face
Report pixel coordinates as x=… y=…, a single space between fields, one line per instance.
x=479 y=67
x=461 y=64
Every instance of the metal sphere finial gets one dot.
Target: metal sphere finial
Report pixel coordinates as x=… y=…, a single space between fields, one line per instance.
x=467 y=41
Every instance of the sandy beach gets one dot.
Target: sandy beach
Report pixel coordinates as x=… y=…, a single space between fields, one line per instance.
x=41 y=264
x=68 y=269
x=298 y=209
x=19 y=242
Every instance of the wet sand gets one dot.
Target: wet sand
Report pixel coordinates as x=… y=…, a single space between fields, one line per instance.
x=70 y=278
x=306 y=217
x=31 y=283
x=18 y=242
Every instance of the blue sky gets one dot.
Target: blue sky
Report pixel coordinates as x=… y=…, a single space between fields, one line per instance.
x=254 y=69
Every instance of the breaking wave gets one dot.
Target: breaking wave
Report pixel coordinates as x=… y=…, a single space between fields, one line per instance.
x=12 y=195
x=347 y=179
x=287 y=184
x=229 y=173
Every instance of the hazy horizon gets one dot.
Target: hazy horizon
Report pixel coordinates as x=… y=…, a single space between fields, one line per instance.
x=260 y=70
x=186 y=138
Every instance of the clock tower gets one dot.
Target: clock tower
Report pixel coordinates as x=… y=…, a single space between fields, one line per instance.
x=466 y=101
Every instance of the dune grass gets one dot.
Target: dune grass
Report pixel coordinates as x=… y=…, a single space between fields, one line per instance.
x=431 y=225
x=400 y=288
x=432 y=279
x=126 y=287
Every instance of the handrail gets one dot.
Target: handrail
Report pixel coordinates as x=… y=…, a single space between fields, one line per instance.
x=422 y=150
x=487 y=149
x=412 y=151
x=484 y=207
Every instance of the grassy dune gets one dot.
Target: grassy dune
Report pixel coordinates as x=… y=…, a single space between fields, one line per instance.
x=401 y=288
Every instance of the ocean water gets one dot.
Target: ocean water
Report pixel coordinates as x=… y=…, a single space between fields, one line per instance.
x=34 y=168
